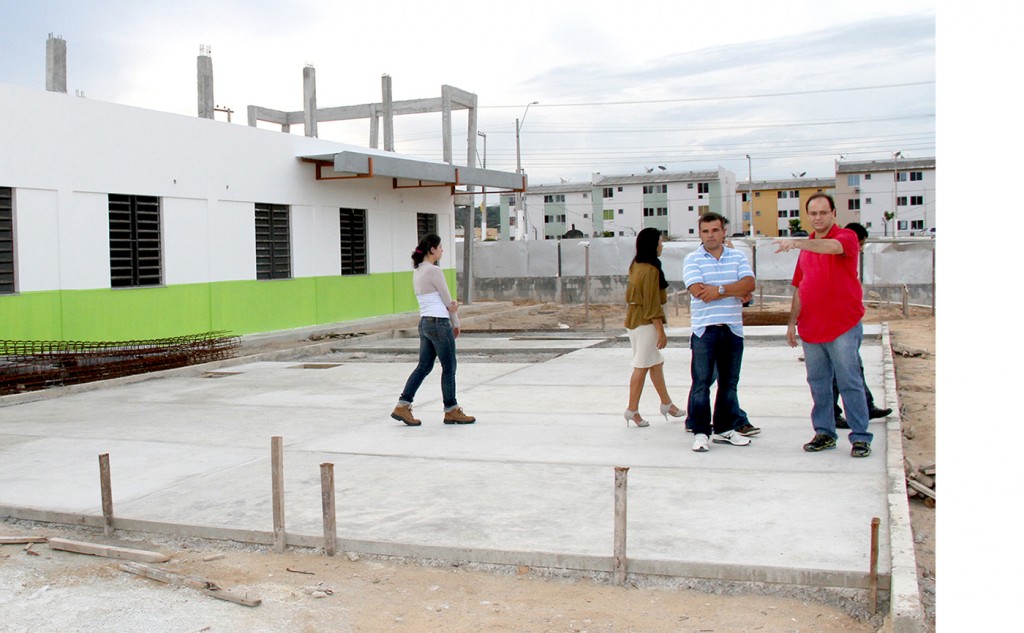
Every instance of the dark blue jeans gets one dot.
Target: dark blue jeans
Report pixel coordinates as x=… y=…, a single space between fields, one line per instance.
x=719 y=349
x=437 y=340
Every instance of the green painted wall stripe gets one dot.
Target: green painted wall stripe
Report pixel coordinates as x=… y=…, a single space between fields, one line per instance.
x=240 y=307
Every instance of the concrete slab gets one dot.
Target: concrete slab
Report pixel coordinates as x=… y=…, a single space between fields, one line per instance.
x=533 y=479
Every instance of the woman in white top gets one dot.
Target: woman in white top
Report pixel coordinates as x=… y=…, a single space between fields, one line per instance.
x=439 y=326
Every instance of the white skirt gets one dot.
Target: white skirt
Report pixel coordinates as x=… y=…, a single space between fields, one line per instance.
x=644 y=341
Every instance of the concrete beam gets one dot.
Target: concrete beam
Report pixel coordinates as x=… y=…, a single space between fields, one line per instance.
x=204 y=86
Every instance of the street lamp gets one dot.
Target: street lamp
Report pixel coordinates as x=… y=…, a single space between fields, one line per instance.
x=483 y=192
x=750 y=195
x=895 y=194
x=520 y=220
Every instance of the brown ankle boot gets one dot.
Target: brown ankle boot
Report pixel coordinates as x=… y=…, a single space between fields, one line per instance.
x=458 y=416
x=403 y=413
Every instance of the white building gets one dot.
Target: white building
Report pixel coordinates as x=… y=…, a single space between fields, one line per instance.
x=122 y=223
x=867 y=191
x=671 y=202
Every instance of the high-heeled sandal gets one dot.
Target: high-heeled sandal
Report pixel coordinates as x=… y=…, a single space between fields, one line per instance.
x=629 y=418
x=666 y=410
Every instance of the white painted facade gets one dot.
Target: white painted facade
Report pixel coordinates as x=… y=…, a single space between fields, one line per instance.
x=63 y=155
x=865 y=191
x=673 y=202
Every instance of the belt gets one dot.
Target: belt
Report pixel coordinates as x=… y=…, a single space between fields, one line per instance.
x=434 y=319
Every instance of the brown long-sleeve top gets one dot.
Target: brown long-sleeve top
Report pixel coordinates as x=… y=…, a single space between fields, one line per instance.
x=644 y=297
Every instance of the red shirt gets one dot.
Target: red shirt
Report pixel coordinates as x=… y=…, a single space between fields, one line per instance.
x=830 y=293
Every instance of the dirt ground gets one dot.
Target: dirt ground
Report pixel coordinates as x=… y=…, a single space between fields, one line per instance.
x=303 y=591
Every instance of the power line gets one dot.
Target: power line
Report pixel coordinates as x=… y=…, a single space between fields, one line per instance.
x=719 y=98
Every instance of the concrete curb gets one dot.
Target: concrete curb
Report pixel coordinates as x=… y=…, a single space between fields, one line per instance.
x=906 y=609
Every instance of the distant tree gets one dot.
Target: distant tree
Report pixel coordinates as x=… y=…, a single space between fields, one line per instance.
x=889 y=216
x=794 y=225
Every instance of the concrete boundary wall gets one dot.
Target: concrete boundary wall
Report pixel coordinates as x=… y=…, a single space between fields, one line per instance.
x=555 y=270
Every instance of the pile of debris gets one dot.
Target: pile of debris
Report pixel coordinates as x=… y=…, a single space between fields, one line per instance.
x=32 y=365
x=920 y=481
x=137 y=568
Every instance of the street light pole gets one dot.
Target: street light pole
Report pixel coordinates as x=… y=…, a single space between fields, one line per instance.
x=483 y=192
x=895 y=194
x=520 y=220
x=750 y=195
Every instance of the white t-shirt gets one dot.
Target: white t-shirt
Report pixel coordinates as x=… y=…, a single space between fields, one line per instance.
x=431 y=290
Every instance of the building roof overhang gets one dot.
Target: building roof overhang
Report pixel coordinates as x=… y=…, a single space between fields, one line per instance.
x=408 y=172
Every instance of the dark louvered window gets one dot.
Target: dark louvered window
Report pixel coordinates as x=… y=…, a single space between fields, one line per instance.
x=134 y=240
x=353 y=241
x=273 y=242
x=6 y=240
x=425 y=223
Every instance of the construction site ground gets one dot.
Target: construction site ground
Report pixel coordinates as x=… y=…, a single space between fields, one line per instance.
x=302 y=590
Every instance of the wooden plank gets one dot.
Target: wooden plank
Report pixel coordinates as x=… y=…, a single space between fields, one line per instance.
x=204 y=586
x=109 y=551
x=20 y=540
x=923 y=489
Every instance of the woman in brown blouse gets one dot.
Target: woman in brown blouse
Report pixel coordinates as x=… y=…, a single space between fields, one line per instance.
x=645 y=323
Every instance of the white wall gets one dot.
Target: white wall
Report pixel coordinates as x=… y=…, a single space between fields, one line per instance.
x=63 y=155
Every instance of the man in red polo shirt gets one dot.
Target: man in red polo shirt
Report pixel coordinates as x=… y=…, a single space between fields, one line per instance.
x=827 y=309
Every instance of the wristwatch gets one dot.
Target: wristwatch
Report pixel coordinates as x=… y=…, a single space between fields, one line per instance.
x=721 y=290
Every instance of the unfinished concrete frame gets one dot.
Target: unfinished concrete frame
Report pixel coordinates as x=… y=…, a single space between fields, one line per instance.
x=451 y=98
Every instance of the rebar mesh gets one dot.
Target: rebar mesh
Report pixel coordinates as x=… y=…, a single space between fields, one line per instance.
x=33 y=365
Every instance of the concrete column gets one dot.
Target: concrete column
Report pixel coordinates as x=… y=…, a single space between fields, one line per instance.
x=309 y=100
x=204 y=83
x=446 y=125
x=389 y=113
x=56 y=65
x=374 y=128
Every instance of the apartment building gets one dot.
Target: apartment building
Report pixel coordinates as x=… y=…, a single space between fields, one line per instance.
x=617 y=205
x=889 y=197
x=776 y=204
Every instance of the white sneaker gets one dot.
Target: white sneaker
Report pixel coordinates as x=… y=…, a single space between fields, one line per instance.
x=700 y=442
x=730 y=437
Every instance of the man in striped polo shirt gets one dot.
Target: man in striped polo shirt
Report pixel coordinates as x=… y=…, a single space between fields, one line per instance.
x=717 y=277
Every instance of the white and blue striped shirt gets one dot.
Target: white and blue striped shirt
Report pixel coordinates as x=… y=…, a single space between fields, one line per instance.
x=701 y=266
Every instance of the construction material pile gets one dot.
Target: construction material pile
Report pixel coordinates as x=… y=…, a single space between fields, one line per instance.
x=33 y=365
x=920 y=481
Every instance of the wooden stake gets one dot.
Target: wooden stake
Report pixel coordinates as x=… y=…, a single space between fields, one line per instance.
x=105 y=495
x=906 y=301
x=205 y=586
x=277 y=490
x=107 y=551
x=327 y=501
x=619 y=560
x=874 y=564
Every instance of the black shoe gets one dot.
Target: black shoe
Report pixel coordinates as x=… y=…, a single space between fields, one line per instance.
x=841 y=422
x=860 y=449
x=820 y=442
x=875 y=413
x=748 y=430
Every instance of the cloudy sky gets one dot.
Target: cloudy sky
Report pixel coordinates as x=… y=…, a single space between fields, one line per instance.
x=687 y=85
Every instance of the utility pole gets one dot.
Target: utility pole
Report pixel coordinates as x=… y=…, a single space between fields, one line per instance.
x=483 y=191
x=520 y=219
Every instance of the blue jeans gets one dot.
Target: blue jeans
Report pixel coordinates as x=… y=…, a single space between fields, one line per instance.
x=718 y=349
x=437 y=340
x=839 y=359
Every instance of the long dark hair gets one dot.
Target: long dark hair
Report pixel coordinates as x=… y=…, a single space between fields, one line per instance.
x=428 y=242
x=647 y=252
